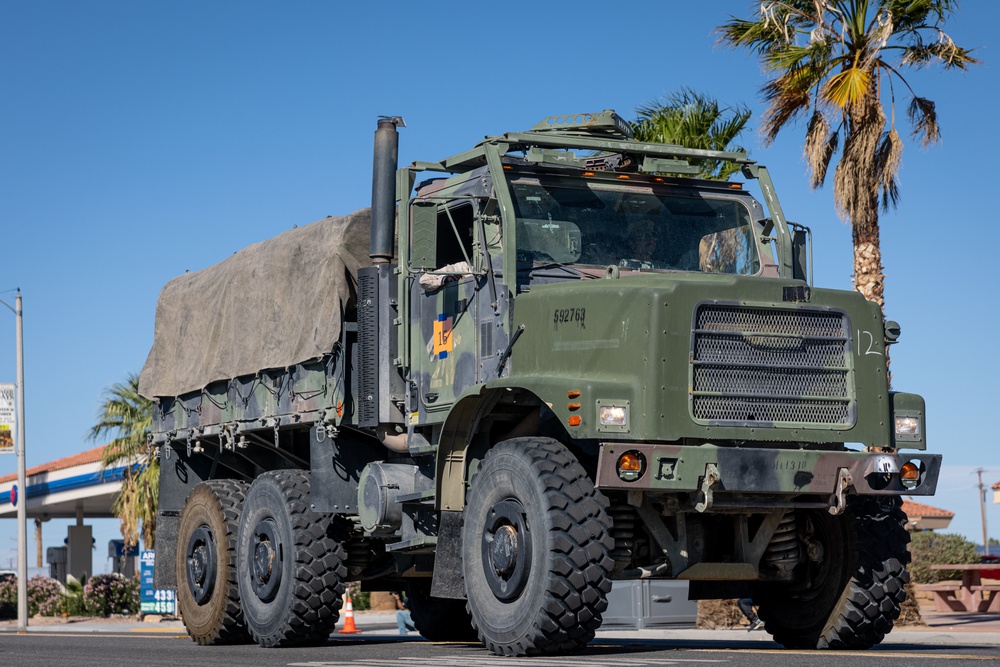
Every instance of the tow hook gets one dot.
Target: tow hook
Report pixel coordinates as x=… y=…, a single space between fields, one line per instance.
x=712 y=477
x=839 y=502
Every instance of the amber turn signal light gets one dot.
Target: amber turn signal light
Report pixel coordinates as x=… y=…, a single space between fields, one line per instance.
x=909 y=474
x=631 y=465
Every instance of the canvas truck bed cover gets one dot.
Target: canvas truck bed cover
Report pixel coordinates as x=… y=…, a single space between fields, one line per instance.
x=271 y=305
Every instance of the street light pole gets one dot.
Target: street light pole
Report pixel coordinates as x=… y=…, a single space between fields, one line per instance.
x=22 y=486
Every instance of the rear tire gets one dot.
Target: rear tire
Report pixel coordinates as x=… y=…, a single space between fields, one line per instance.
x=850 y=598
x=291 y=569
x=208 y=595
x=536 y=543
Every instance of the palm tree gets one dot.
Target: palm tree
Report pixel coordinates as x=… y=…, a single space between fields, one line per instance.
x=693 y=120
x=843 y=59
x=127 y=417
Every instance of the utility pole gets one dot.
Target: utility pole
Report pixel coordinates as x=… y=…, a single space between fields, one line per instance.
x=982 y=509
x=22 y=485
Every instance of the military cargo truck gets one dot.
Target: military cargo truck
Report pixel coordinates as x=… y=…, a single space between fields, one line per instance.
x=550 y=362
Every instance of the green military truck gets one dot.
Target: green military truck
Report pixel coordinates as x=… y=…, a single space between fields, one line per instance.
x=533 y=368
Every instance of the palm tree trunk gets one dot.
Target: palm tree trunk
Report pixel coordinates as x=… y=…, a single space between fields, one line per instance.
x=869 y=276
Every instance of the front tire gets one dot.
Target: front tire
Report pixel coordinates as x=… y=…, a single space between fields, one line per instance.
x=849 y=597
x=207 y=590
x=536 y=543
x=291 y=569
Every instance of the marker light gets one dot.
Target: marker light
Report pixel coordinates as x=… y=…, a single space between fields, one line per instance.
x=631 y=465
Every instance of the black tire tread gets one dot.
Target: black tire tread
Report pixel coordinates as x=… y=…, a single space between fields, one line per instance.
x=319 y=570
x=871 y=600
x=231 y=626
x=878 y=587
x=580 y=565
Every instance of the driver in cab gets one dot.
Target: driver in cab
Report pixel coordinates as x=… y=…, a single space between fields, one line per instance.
x=641 y=246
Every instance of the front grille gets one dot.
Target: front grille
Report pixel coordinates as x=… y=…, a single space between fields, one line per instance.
x=761 y=366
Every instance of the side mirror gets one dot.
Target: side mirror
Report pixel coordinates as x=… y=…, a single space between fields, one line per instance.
x=801 y=252
x=423 y=235
x=892 y=332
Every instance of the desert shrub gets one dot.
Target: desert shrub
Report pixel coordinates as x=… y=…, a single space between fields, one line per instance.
x=106 y=594
x=929 y=548
x=45 y=597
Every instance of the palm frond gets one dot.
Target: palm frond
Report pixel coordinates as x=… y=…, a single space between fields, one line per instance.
x=856 y=179
x=847 y=87
x=947 y=52
x=757 y=36
x=788 y=96
x=787 y=57
x=923 y=117
x=888 y=159
x=820 y=145
x=909 y=14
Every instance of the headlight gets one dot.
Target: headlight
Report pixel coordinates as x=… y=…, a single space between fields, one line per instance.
x=908 y=426
x=613 y=415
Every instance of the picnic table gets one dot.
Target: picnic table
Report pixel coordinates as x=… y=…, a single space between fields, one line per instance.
x=971 y=595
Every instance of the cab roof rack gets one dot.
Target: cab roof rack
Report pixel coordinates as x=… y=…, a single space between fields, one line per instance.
x=606 y=122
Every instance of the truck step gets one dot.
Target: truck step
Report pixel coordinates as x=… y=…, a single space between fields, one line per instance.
x=416 y=545
x=425 y=497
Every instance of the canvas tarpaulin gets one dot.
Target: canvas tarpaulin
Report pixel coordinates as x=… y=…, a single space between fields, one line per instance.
x=271 y=305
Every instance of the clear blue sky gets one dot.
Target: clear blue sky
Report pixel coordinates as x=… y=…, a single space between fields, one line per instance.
x=139 y=140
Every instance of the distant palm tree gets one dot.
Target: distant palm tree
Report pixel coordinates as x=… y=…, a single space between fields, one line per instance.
x=693 y=120
x=842 y=59
x=127 y=417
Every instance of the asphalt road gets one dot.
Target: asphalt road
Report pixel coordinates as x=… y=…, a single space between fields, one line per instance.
x=39 y=649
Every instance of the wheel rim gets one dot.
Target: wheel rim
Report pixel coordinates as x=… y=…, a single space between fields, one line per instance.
x=825 y=571
x=506 y=548
x=201 y=559
x=266 y=562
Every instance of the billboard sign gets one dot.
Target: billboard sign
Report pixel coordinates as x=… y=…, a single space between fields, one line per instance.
x=7 y=420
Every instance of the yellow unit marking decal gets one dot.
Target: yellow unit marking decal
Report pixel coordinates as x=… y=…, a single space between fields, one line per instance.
x=442 y=337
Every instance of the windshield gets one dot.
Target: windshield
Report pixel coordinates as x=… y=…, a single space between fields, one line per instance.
x=634 y=226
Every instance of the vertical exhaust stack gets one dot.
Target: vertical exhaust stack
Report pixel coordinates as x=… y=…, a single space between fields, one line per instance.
x=384 y=188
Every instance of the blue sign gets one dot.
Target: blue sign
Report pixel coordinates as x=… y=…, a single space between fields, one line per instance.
x=153 y=600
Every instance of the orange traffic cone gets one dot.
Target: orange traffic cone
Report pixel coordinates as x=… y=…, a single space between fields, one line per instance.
x=349 y=626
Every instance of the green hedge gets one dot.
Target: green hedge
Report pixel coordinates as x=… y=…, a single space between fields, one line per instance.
x=928 y=548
